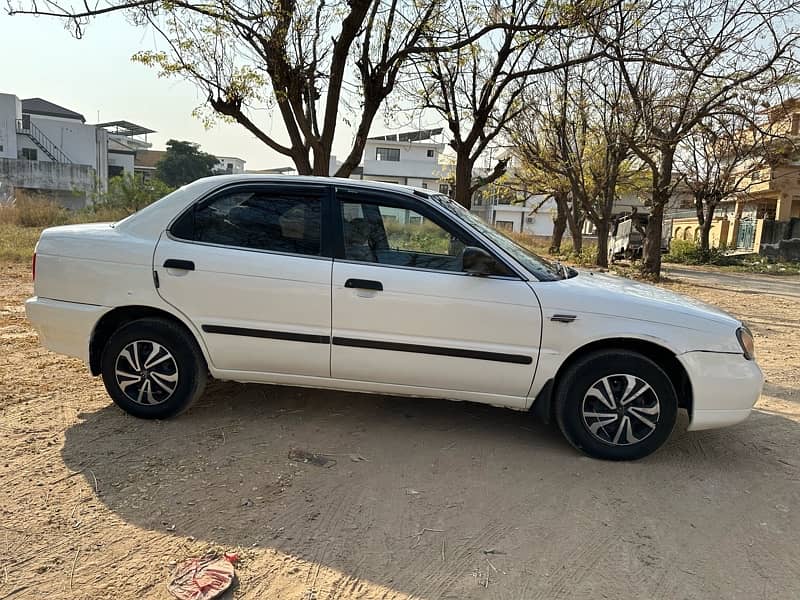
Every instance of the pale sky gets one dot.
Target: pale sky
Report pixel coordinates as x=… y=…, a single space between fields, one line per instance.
x=94 y=75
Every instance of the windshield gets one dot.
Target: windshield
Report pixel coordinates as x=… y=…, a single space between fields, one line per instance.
x=540 y=268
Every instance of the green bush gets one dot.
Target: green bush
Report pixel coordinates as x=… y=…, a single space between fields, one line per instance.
x=686 y=252
x=127 y=193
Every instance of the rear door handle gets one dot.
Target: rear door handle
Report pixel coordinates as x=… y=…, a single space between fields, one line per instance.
x=174 y=263
x=364 y=284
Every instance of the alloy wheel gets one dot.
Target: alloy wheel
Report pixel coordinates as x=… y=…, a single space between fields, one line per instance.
x=620 y=409
x=146 y=372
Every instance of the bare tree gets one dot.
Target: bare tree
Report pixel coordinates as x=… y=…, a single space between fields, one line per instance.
x=477 y=88
x=682 y=61
x=535 y=134
x=308 y=59
x=575 y=129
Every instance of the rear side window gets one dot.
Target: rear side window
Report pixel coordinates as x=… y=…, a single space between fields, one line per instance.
x=271 y=220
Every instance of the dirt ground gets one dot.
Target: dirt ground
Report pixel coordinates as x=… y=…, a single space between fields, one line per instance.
x=422 y=499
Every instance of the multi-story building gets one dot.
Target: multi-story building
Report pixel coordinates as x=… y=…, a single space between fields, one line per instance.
x=410 y=158
x=766 y=208
x=230 y=165
x=51 y=150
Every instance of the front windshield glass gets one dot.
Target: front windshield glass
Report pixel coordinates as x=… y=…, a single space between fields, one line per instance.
x=540 y=268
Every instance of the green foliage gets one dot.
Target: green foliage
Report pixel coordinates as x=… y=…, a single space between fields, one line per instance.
x=183 y=163
x=127 y=194
x=687 y=252
x=422 y=237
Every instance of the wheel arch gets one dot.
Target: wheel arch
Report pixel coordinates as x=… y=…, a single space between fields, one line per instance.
x=661 y=355
x=119 y=316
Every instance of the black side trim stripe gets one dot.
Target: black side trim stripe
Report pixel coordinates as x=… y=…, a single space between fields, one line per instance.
x=263 y=333
x=518 y=359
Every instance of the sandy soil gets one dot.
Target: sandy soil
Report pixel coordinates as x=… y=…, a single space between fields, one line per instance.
x=422 y=499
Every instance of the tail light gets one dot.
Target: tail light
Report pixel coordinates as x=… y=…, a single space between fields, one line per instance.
x=33 y=267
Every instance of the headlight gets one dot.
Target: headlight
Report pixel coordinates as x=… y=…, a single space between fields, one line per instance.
x=746 y=342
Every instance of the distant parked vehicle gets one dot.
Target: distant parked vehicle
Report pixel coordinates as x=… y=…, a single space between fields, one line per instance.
x=626 y=238
x=370 y=287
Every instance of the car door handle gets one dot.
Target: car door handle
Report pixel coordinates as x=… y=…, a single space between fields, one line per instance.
x=174 y=263
x=364 y=284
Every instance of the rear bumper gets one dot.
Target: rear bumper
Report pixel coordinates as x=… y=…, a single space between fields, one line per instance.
x=724 y=388
x=64 y=327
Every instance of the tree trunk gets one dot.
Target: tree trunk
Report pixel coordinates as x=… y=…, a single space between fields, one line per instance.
x=705 y=228
x=651 y=263
x=463 y=181
x=705 y=244
x=575 y=221
x=559 y=223
x=602 y=243
x=662 y=184
x=322 y=163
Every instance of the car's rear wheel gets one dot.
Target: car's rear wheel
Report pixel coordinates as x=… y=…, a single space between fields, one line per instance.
x=153 y=369
x=616 y=405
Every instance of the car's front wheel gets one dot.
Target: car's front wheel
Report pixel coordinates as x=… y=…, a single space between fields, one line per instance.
x=153 y=369
x=616 y=405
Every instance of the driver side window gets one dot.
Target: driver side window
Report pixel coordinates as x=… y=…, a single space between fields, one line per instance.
x=398 y=236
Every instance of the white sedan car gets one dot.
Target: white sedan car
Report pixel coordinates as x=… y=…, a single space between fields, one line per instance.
x=370 y=287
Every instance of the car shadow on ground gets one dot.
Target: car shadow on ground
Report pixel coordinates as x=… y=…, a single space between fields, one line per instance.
x=412 y=493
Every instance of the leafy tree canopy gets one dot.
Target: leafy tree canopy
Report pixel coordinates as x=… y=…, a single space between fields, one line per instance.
x=183 y=163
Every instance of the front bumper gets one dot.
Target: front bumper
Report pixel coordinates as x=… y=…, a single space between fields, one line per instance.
x=64 y=327
x=724 y=388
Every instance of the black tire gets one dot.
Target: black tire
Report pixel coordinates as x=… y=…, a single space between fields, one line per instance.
x=581 y=400
x=154 y=395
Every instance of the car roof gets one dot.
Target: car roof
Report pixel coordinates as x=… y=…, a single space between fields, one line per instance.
x=341 y=181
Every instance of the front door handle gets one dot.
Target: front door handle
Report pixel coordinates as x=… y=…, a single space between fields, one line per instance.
x=174 y=263
x=364 y=284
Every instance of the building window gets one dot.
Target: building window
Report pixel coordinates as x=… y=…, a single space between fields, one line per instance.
x=391 y=154
x=424 y=184
x=30 y=154
x=444 y=188
x=431 y=153
x=796 y=124
x=506 y=225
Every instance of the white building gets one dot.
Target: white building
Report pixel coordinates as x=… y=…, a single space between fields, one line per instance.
x=515 y=208
x=48 y=149
x=410 y=158
x=230 y=165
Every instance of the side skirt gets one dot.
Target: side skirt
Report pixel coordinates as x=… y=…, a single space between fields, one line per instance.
x=369 y=387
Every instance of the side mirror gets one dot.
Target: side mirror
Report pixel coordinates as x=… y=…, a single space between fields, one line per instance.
x=476 y=261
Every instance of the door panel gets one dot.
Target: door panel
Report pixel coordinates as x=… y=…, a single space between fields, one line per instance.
x=405 y=313
x=436 y=330
x=257 y=311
